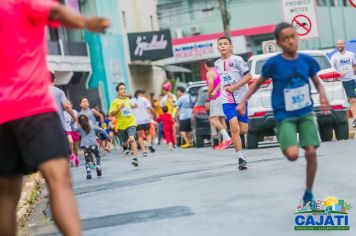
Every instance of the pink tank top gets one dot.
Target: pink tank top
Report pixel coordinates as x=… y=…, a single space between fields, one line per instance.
x=216 y=84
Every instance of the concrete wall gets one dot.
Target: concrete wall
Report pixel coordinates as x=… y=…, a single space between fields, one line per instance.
x=140 y=16
x=107 y=53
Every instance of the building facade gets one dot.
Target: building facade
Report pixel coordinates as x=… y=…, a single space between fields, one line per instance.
x=196 y=24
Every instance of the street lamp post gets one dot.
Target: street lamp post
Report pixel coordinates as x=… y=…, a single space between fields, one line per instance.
x=225 y=17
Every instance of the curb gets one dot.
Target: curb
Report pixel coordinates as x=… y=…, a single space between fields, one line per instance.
x=29 y=189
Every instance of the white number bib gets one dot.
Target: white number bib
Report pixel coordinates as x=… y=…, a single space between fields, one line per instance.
x=297 y=98
x=126 y=112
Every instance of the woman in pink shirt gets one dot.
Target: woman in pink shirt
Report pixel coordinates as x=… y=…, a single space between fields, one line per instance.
x=31 y=136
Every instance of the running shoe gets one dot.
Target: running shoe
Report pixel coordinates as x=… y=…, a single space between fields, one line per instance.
x=242 y=164
x=134 y=162
x=77 y=162
x=170 y=146
x=145 y=154
x=187 y=145
x=308 y=198
x=88 y=173
x=225 y=144
x=98 y=171
x=92 y=166
x=126 y=152
x=151 y=149
x=354 y=124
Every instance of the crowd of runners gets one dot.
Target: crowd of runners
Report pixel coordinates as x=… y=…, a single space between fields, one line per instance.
x=33 y=128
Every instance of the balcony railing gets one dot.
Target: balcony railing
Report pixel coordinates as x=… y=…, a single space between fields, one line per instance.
x=65 y=48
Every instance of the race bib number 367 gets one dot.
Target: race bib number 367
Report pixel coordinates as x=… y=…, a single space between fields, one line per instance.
x=297 y=98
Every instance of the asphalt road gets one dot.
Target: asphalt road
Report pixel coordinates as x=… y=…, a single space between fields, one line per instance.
x=202 y=192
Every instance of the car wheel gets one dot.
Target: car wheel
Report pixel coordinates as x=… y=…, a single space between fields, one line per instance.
x=199 y=140
x=252 y=140
x=342 y=130
x=326 y=133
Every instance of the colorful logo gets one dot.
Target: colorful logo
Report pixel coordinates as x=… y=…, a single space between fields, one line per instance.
x=329 y=214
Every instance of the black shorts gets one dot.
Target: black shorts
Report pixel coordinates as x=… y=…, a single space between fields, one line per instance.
x=185 y=125
x=145 y=127
x=28 y=142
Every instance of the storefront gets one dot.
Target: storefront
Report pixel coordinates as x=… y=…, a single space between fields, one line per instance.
x=191 y=52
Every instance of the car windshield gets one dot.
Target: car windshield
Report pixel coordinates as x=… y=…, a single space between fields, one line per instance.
x=201 y=97
x=194 y=90
x=323 y=62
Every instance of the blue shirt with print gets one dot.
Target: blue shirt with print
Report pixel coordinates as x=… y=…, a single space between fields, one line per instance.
x=289 y=74
x=185 y=106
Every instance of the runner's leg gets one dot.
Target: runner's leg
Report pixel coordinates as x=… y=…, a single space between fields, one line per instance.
x=63 y=203
x=10 y=191
x=353 y=107
x=235 y=134
x=310 y=156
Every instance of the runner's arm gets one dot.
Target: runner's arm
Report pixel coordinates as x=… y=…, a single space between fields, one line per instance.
x=216 y=90
x=242 y=82
x=241 y=108
x=68 y=108
x=71 y=19
x=101 y=131
x=117 y=110
x=324 y=104
x=211 y=77
x=98 y=114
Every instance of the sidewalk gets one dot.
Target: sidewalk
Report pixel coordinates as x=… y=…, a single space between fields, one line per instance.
x=30 y=190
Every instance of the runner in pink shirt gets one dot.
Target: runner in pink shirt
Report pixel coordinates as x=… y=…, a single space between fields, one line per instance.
x=31 y=136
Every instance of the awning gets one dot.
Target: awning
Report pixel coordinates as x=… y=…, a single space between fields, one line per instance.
x=173 y=69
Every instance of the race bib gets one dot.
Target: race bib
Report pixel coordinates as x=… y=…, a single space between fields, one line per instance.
x=297 y=98
x=126 y=112
x=227 y=77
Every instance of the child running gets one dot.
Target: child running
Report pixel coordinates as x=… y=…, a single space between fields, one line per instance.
x=291 y=100
x=121 y=108
x=89 y=144
x=234 y=74
x=168 y=126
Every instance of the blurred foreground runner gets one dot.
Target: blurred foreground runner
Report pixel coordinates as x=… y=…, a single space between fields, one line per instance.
x=291 y=100
x=31 y=135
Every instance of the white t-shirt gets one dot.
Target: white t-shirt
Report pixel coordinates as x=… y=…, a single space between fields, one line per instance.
x=141 y=113
x=231 y=71
x=343 y=63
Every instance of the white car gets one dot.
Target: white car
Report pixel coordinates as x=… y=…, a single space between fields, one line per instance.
x=261 y=123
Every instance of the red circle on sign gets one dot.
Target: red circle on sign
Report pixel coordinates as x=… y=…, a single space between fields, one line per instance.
x=298 y=20
x=352 y=3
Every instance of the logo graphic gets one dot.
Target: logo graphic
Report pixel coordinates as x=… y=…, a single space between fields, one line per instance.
x=329 y=214
x=155 y=44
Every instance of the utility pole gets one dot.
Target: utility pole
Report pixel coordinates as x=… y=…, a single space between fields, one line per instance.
x=225 y=17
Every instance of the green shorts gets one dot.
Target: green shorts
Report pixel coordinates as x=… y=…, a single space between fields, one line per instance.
x=306 y=127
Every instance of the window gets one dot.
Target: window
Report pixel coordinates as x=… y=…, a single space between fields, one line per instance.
x=323 y=62
x=332 y=3
x=204 y=9
x=170 y=13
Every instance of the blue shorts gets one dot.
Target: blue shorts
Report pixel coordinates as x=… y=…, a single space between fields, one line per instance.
x=350 y=87
x=230 y=112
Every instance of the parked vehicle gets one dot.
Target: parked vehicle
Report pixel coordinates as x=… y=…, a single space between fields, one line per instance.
x=262 y=122
x=193 y=88
x=200 y=119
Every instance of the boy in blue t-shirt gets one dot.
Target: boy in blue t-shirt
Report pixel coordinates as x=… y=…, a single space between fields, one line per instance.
x=291 y=100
